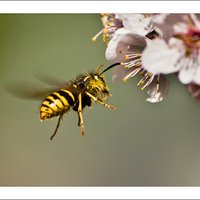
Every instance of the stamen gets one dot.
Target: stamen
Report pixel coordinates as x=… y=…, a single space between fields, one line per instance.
x=132 y=74
x=107 y=32
x=133 y=63
x=132 y=56
x=107 y=23
x=105 y=36
x=97 y=35
x=104 y=30
x=146 y=76
x=148 y=82
x=126 y=57
x=127 y=65
x=142 y=71
x=158 y=83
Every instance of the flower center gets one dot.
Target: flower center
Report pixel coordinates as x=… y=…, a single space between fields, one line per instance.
x=191 y=40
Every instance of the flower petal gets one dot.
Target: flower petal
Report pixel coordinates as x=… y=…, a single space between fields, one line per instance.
x=165 y=23
x=197 y=74
x=160 y=18
x=194 y=90
x=159 y=58
x=159 y=95
x=122 y=42
x=136 y=23
x=120 y=72
x=187 y=71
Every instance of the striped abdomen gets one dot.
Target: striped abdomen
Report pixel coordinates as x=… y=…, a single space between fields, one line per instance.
x=56 y=104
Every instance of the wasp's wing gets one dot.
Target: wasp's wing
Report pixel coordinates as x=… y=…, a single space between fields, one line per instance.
x=48 y=79
x=29 y=90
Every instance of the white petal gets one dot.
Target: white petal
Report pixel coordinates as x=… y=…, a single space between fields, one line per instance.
x=120 y=72
x=197 y=74
x=190 y=71
x=154 y=95
x=136 y=23
x=166 y=23
x=126 y=16
x=176 y=43
x=123 y=41
x=111 y=51
x=104 y=20
x=197 y=78
x=159 y=18
x=186 y=75
x=195 y=20
x=159 y=58
x=180 y=28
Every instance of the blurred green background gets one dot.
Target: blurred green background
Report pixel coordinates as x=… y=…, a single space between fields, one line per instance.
x=139 y=144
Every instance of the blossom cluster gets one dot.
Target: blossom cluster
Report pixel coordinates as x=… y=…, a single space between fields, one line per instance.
x=152 y=46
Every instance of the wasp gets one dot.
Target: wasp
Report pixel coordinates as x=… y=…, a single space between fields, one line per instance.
x=74 y=95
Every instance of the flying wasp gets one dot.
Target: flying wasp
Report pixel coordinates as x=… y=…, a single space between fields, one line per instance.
x=75 y=95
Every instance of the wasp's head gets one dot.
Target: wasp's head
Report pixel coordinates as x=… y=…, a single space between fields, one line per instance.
x=96 y=85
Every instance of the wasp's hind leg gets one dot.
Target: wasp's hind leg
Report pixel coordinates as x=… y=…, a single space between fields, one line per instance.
x=100 y=102
x=79 y=120
x=80 y=115
x=58 y=124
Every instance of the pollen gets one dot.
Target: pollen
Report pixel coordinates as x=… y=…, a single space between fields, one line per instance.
x=103 y=31
x=104 y=38
x=126 y=57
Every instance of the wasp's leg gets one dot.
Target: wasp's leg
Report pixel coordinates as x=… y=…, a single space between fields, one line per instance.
x=79 y=120
x=80 y=110
x=100 y=102
x=58 y=124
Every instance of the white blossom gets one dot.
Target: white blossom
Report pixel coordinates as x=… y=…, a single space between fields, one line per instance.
x=179 y=53
x=136 y=23
x=126 y=48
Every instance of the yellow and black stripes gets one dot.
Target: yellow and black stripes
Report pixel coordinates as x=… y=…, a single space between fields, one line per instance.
x=76 y=95
x=56 y=104
x=67 y=95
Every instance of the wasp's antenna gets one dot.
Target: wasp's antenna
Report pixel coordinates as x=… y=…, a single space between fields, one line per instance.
x=111 y=66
